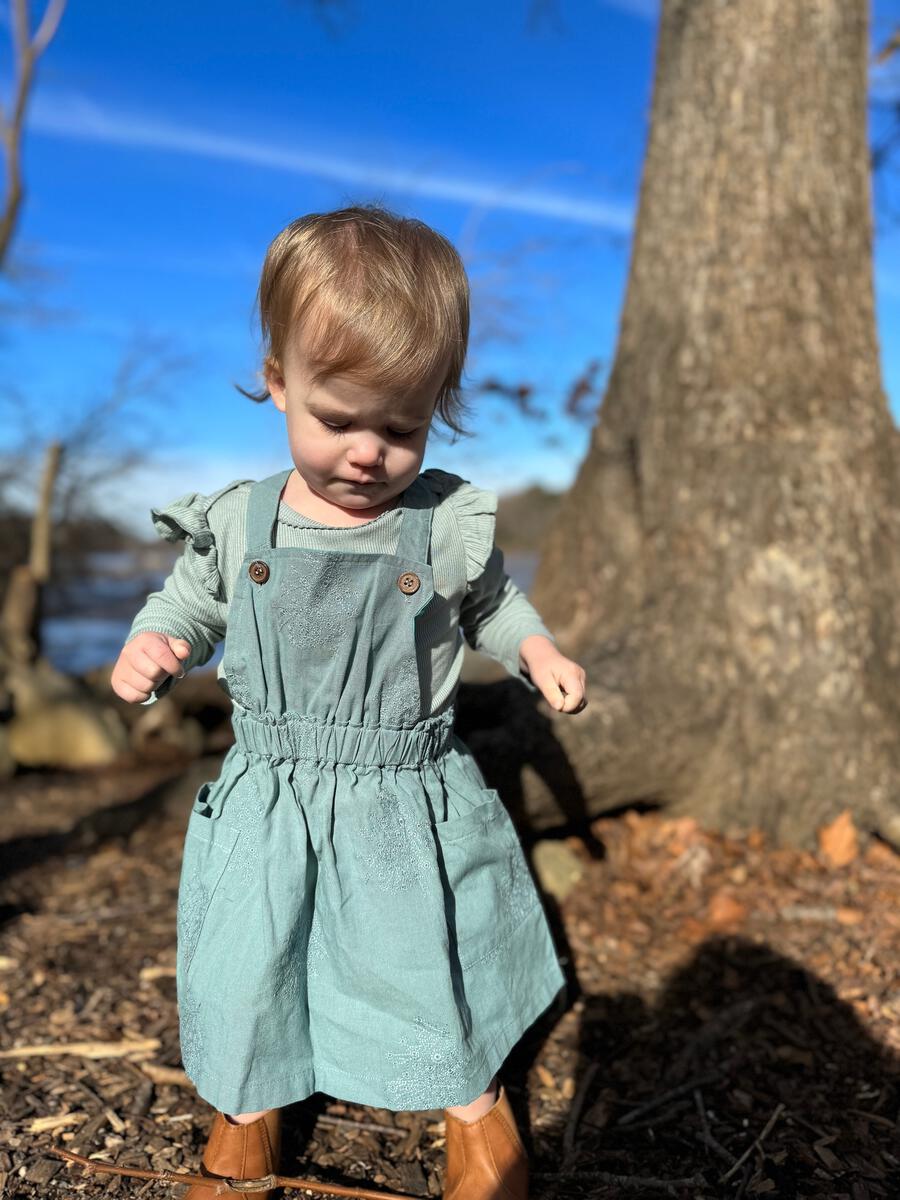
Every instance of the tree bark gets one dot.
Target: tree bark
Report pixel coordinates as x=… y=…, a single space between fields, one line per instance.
x=20 y=619
x=727 y=561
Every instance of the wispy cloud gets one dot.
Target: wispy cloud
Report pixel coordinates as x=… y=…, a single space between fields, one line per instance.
x=230 y=261
x=77 y=118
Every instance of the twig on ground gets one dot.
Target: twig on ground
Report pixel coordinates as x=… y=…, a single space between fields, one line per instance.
x=575 y=1112
x=84 y=1049
x=374 y=1126
x=756 y=1144
x=716 y=1146
x=664 y=1097
x=701 y=1111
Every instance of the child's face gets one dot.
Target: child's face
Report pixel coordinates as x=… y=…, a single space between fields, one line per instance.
x=378 y=449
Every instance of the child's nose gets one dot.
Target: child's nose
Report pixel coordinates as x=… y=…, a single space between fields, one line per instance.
x=367 y=449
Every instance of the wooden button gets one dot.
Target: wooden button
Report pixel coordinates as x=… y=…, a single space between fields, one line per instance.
x=259 y=571
x=409 y=582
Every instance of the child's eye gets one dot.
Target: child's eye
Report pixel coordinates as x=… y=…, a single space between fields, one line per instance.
x=397 y=433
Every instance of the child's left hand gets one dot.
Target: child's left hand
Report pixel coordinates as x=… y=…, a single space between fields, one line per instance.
x=560 y=680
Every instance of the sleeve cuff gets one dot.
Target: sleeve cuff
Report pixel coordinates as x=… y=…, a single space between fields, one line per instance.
x=512 y=661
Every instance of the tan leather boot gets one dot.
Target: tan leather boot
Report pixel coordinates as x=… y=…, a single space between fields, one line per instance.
x=486 y=1159
x=250 y=1151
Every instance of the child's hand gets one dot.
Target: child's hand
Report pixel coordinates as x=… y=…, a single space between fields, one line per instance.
x=145 y=662
x=560 y=680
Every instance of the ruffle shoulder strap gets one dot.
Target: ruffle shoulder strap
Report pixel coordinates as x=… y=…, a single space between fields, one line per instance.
x=475 y=509
x=187 y=519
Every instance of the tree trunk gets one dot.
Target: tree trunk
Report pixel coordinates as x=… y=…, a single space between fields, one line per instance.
x=20 y=620
x=727 y=561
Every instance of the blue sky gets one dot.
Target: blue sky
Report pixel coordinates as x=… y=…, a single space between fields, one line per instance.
x=168 y=143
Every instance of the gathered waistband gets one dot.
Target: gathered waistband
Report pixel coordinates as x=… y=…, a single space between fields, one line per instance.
x=299 y=737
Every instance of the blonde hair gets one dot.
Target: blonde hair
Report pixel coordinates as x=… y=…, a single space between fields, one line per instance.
x=382 y=300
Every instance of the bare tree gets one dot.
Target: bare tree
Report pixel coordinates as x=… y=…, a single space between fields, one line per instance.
x=27 y=49
x=73 y=456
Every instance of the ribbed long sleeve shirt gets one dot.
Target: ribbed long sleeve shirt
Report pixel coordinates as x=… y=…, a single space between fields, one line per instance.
x=474 y=597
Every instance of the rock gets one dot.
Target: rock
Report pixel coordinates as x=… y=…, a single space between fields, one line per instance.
x=165 y=722
x=557 y=866
x=33 y=685
x=192 y=718
x=68 y=734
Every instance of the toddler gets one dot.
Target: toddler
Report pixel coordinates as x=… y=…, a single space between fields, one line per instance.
x=355 y=913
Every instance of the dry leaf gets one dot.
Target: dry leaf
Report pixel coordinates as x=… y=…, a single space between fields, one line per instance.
x=878 y=854
x=838 y=842
x=725 y=910
x=848 y=916
x=546 y=1078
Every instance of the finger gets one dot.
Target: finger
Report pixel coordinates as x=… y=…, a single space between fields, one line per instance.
x=145 y=668
x=132 y=695
x=161 y=657
x=179 y=647
x=573 y=699
x=130 y=686
x=137 y=678
x=571 y=683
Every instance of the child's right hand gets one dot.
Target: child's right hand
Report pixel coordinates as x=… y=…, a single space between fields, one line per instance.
x=145 y=662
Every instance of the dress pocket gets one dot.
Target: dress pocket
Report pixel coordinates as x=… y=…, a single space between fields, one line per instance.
x=208 y=847
x=490 y=887
x=489 y=812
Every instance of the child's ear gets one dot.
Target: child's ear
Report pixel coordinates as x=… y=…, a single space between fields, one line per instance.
x=275 y=383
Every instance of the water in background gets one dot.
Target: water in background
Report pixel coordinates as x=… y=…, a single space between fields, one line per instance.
x=86 y=625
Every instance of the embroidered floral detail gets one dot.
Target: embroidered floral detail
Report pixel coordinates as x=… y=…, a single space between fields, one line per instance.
x=246 y=808
x=518 y=897
x=394 y=847
x=244 y=862
x=288 y=971
x=316 y=949
x=519 y=893
x=190 y=1033
x=299 y=612
x=239 y=690
x=401 y=699
x=432 y=1069
x=193 y=901
x=246 y=801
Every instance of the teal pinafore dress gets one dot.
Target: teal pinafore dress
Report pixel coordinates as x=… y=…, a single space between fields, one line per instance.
x=355 y=913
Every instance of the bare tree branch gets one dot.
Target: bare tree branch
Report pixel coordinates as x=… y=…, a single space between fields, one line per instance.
x=26 y=51
x=891 y=46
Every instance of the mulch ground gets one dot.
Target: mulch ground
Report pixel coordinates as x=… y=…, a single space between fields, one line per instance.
x=731 y=1025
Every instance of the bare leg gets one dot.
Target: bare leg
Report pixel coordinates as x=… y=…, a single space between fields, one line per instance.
x=245 y=1118
x=479 y=1106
